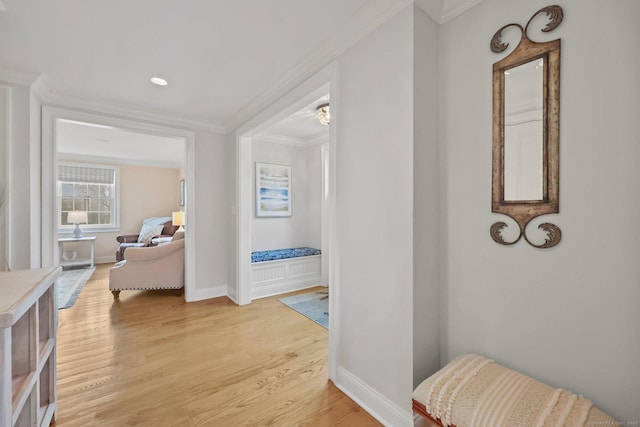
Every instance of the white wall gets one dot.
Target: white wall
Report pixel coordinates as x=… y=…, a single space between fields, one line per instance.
x=302 y=228
x=374 y=198
x=19 y=210
x=427 y=200
x=211 y=205
x=568 y=315
x=313 y=167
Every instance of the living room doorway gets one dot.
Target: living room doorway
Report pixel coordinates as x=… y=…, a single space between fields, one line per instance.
x=149 y=162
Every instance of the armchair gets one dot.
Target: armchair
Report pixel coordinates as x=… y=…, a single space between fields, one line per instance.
x=133 y=240
x=157 y=267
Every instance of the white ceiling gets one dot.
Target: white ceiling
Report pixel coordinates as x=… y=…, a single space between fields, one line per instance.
x=219 y=56
x=88 y=142
x=302 y=125
x=216 y=54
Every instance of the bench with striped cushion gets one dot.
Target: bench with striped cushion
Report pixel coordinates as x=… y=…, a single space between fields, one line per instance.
x=475 y=391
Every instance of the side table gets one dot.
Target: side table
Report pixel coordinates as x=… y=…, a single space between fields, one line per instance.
x=74 y=263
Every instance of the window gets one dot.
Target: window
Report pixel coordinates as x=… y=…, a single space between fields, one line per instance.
x=88 y=188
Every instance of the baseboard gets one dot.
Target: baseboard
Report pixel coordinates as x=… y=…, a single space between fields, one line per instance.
x=105 y=260
x=231 y=294
x=283 y=288
x=381 y=408
x=208 y=293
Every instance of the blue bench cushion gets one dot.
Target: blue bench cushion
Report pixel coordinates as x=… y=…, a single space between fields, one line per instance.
x=283 y=254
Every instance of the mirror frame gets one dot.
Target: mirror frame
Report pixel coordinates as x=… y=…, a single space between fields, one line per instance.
x=523 y=211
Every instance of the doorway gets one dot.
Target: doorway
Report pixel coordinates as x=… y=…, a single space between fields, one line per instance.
x=297 y=98
x=57 y=119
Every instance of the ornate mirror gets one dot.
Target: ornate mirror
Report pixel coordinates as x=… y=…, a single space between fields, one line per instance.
x=526 y=106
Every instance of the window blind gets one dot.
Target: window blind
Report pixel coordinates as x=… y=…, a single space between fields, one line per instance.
x=89 y=175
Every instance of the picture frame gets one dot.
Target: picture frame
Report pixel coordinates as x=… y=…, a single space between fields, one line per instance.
x=182 y=193
x=273 y=190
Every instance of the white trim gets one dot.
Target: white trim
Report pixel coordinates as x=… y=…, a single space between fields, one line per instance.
x=282 y=106
x=319 y=140
x=5 y=161
x=40 y=87
x=49 y=233
x=231 y=294
x=442 y=11
x=115 y=209
x=136 y=113
x=381 y=408
x=281 y=139
x=116 y=160
x=331 y=233
x=450 y=12
x=22 y=78
x=366 y=19
x=208 y=293
x=106 y=259
x=280 y=276
x=244 y=182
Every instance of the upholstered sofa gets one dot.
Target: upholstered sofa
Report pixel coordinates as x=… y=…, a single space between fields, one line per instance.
x=156 y=267
x=133 y=240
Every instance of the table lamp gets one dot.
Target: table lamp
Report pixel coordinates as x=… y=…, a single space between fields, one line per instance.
x=77 y=218
x=177 y=218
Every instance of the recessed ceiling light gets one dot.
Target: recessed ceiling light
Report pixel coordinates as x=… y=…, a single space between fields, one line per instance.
x=158 y=81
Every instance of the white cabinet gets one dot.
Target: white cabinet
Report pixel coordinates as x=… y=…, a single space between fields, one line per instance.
x=28 y=322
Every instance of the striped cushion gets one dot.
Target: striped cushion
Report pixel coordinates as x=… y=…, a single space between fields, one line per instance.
x=475 y=391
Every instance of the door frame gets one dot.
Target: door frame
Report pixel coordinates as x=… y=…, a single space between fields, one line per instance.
x=323 y=82
x=49 y=232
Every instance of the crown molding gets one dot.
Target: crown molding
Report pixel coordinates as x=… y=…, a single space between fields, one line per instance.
x=369 y=17
x=40 y=87
x=433 y=8
x=319 y=139
x=443 y=11
x=451 y=11
x=281 y=139
x=56 y=99
x=24 y=78
x=273 y=138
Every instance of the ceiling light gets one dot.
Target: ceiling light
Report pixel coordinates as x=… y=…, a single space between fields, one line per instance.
x=323 y=115
x=158 y=81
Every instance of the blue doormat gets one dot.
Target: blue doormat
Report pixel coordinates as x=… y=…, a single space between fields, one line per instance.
x=69 y=285
x=314 y=305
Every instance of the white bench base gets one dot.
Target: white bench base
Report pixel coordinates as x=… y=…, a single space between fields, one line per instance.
x=285 y=275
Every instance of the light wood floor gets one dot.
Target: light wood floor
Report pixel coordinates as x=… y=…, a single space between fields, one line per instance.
x=150 y=359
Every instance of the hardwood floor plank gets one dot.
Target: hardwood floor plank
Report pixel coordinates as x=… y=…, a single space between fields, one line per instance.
x=150 y=359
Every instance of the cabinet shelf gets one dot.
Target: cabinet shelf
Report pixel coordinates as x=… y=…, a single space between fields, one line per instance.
x=28 y=316
x=22 y=386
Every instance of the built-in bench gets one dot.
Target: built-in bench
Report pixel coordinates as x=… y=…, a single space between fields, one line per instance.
x=284 y=270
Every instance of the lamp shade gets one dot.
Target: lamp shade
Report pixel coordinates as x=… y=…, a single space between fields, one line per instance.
x=77 y=217
x=177 y=218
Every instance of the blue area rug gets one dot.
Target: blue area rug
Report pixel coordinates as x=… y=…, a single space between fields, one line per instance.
x=314 y=305
x=70 y=284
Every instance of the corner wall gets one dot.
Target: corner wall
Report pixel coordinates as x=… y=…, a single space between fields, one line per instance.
x=374 y=220
x=569 y=315
x=426 y=200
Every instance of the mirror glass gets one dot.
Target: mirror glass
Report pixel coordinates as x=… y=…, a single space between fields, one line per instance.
x=523 y=131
